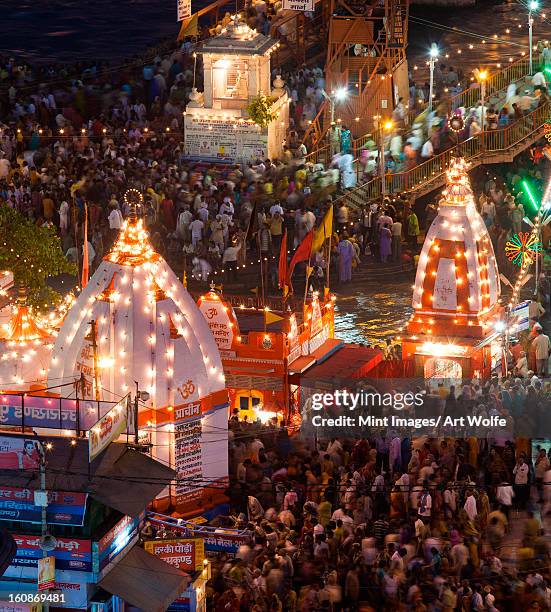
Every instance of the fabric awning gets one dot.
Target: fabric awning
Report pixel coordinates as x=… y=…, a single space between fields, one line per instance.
x=144 y=581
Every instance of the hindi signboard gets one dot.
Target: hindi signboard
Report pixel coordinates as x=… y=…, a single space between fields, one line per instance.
x=185 y=554
x=299 y=5
x=115 y=540
x=23 y=410
x=19 y=453
x=183 y=9
x=70 y=553
x=221 y=326
x=223 y=139
x=46 y=573
x=189 y=463
x=64 y=508
x=109 y=427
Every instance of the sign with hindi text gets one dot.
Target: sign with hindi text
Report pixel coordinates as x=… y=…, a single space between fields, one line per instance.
x=70 y=553
x=217 y=316
x=223 y=139
x=299 y=5
x=183 y=9
x=64 y=507
x=185 y=554
x=109 y=428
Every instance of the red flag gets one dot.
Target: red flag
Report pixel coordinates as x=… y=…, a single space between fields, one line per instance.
x=301 y=254
x=283 y=263
x=85 y=268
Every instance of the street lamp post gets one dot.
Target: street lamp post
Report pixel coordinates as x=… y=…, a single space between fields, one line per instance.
x=533 y=6
x=433 y=56
x=482 y=75
x=338 y=95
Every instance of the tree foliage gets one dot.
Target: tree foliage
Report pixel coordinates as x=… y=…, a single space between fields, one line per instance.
x=33 y=254
x=260 y=110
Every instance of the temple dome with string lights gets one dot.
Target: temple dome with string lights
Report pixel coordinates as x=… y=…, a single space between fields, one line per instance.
x=25 y=347
x=135 y=321
x=457 y=288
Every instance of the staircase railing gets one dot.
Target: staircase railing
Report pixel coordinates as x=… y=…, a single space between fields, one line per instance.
x=482 y=146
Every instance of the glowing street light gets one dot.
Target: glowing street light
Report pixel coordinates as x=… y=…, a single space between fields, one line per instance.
x=533 y=6
x=339 y=95
x=433 y=57
x=481 y=76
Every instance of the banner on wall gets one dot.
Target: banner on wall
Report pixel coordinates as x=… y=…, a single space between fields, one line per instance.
x=183 y=9
x=299 y=5
x=19 y=453
x=185 y=554
x=64 y=508
x=70 y=554
x=109 y=427
x=223 y=139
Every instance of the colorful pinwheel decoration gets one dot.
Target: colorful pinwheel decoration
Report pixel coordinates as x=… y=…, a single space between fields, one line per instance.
x=523 y=248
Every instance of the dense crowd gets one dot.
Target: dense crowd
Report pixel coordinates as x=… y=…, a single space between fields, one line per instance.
x=390 y=522
x=68 y=148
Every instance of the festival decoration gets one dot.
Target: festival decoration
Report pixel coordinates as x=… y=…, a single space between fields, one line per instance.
x=547 y=130
x=457 y=287
x=133 y=199
x=456 y=123
x=523 y=248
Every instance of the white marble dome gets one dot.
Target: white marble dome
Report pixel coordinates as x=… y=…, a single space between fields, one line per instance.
x=146 y=328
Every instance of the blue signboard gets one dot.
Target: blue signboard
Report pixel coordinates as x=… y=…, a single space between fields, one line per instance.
x=50 y=412
x=64 y=508
x=115 y=540
x=70 y=554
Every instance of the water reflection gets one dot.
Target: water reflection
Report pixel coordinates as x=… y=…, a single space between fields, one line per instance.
x=371 y=316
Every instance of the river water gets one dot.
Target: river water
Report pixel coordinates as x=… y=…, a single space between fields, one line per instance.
x=65 y=30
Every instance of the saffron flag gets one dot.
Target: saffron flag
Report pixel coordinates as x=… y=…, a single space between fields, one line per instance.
x=189 y=27
x=324 y=231
x=301 y=254
x=270 y=317
x=85 y=268
x=282 y=268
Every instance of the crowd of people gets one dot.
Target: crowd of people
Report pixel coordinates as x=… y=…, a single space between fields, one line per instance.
x=391 y=522
x=79 y=138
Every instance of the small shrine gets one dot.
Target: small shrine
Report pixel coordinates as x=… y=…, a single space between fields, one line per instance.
x=25 y=348
x=236 y=65
x=452 y=333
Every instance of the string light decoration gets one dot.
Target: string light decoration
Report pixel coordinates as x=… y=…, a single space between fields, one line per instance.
x=132 y=247
x=456 y=123
x=522 y=248
x=457 y=280
x=133 y=199
x=147 y=328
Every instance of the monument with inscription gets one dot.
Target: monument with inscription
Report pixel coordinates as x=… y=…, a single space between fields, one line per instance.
x=218 y=125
